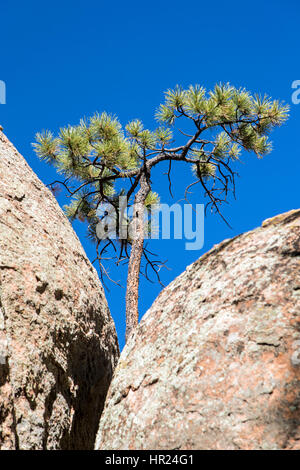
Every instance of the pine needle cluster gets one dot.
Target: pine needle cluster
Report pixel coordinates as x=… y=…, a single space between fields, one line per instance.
x=100 y=160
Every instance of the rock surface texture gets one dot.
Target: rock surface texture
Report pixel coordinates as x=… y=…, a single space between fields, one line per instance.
x=58 y=345
x=215 y=362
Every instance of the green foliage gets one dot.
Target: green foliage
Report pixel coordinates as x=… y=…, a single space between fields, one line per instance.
x=152 y=199
x=94 y=155
x=163 y=135
x=134 y=128
x=103 y=127
x=165 y=114
x=248 y=119
x=81 y=207
x=175 y=98
x=204 y=170
x=45 y=146
x=195 y=100
x=147 y=139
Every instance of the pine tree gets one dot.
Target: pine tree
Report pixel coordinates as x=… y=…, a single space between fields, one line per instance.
x=100 y=161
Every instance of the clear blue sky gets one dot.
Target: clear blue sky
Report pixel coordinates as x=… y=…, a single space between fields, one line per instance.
x=63 y=60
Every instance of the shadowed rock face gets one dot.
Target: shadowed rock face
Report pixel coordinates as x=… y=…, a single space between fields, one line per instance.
x=215 y=362
x=58 y=345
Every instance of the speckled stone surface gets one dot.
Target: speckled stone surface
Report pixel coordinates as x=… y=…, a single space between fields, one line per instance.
x=58 y=345
x=215 y=362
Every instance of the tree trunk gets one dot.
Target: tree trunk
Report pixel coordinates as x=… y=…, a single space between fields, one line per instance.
x=133 y=277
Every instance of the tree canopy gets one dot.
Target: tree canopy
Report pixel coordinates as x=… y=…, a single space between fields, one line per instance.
x=101 y=160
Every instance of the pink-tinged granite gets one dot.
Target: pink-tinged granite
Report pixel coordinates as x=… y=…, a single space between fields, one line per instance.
x=58 y=345
x=215 y=362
